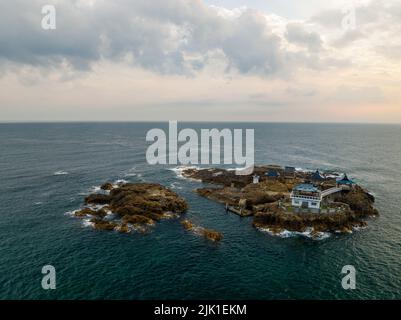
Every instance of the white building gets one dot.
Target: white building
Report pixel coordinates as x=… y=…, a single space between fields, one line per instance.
x=255 y=179
x=306 y=195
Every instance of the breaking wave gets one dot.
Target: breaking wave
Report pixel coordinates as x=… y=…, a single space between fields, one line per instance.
x=180 y=169
x=288 y=234
x=60 y=173
x=119 y=182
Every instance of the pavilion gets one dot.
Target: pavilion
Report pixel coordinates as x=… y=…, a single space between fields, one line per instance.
x=345 y=182
x=317 y=176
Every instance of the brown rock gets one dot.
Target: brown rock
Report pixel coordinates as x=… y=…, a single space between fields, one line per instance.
x=88 y=211
x=98 y=199
x=263 y=200
x=123 y=228
x=138 y=204
x=106 y=186
x=84 y=212
x=207 y=233
x=212 y=235
x=103 y=225
x=188 y=225
x=137 y=219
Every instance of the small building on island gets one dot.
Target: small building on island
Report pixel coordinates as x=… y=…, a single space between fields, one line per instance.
x=306 y=195
x=289 y=172
x=272 y=173
x=344 y=182
x=317 y=176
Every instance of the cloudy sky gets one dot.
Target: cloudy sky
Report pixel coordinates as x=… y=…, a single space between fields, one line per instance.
x=232 y=60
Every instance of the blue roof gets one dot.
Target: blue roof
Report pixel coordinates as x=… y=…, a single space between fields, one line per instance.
x=272 y=173
x=317 y=176
x=306 y=187
x=345 y=180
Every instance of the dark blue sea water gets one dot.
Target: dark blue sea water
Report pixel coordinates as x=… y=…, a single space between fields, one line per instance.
x=169 y=262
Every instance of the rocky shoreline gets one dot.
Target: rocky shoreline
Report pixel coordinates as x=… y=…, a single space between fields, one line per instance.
x=264 y=201
x=131 y=206
x=207 y=233
x=127 y=207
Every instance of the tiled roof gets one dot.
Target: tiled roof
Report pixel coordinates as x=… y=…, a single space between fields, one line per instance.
x=306 y=187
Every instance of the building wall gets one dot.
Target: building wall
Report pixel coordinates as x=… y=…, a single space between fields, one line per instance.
x=297 y=202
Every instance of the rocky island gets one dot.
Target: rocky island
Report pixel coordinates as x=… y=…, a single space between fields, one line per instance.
x=125 y=207
x=278 y=199
x=285 y=199
x=206 y=233
x=130 y=206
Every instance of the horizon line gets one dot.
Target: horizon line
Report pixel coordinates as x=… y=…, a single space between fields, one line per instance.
x=188 y=121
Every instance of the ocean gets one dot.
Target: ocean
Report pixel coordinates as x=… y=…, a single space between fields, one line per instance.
x=47 y=169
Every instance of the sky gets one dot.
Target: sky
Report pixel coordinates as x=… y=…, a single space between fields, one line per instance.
x=201 y=60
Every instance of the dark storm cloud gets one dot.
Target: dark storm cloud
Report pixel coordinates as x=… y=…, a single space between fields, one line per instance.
x=157 y=35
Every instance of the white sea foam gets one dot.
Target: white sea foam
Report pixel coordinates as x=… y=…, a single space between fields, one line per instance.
x=71 y=213
x=329 y=174
x=359 y=228
x=180 y=169
x=60 y=173
x=332 y=175
x=131 y=172
x=303 y=170
x=170 y=215
x=288 y=234
x=175 y=185
x=197 y=230
x=95 y=189
x=119 y=182
x=110 y=216
x=87 y=223
x=98 y=189
x=95 y=207
x=372 y=193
